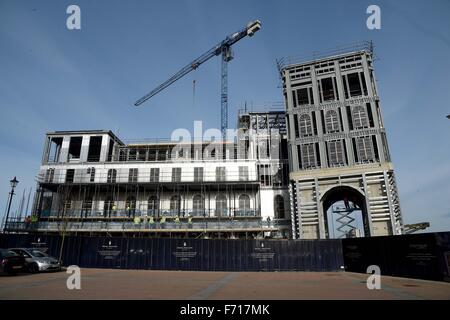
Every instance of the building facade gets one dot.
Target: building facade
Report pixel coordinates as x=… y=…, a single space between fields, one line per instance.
x=318 y=169
x=90 y=182
x=338 y=149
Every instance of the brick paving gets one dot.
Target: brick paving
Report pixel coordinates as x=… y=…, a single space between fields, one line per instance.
x=149 y=284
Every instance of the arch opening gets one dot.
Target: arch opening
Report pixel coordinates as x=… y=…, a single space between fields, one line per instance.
x=345 y=213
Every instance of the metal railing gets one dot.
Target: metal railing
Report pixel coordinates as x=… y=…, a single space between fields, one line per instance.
x=143 y=175
x=131 y=213
x=145 y=225
x=330 y=53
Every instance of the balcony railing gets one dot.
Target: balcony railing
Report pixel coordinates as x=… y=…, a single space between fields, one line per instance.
x=143 y=175
x=147 y=226
x=132 y=213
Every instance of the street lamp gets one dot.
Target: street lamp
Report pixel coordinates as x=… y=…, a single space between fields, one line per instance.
x=13 y=183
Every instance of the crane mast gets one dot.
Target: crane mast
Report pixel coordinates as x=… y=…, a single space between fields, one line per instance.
x=224 y=49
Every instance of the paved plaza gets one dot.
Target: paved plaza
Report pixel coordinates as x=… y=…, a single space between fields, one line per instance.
x=148 y=284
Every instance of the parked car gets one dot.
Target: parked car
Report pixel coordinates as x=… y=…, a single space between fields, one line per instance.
x=37 y=260
x=10 y=262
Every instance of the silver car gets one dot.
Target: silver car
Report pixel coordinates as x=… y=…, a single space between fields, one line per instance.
x=37 y=260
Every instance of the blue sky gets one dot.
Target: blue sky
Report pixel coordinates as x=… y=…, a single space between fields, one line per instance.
x=52 y=78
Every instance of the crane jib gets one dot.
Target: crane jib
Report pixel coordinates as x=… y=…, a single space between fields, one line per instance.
x=224 y=48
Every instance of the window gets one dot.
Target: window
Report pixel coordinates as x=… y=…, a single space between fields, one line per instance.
x=91 y=173
x=364 y=149
x=112 y=174
x=123 y=154
x=354 y=84
x=278 y=203
x=296 y=126
x=198 y=174
x=264 y=174
x=152 y=155
x=132 y=154
x=75 y=148
x=130 y=206
x=153 y=205
x=86 y=207
x=175 y=202
x=133 y=175
x=176 y=174
x=262 y=149
x=244 y=205
x=360 y=118
x=70 y=174
x=95 y=147
x=198 y=205
x=163 y=155
x=326 y=89
x=54 y=149
x=67 y=207
x=49 y=174
x=108 y=207
x=331 y=121
x=308 y=156
x=243 y=173
x=278 y=178
x=47 y=201
x=221 y=205
x=141 y=154
x=302 y=96
x=220 y=173
x=305 y=125
x=335 y=153
x=154 y=175
x=110 y=150
x=363 y=81
x=262 y=122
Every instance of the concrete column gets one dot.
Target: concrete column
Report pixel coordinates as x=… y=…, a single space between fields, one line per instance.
x=391 y=206
x=105 y=147
x=291 y=128
x=45 y=154
x=369 y=214
x=370 y=91
x=380 y=148
x=323 y=154
x=84 y=149
x=315 y=86
x=65 y=149
x=320 y=211
x=340 y=84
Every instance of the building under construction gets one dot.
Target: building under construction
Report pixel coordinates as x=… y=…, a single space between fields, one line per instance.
x=90 y=182
x=319 y=169
x=339 y=157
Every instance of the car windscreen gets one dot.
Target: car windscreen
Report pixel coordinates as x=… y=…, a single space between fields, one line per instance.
x=7 y=253
x=38 y=254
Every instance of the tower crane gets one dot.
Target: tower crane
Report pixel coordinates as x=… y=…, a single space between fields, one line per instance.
x=222 y=48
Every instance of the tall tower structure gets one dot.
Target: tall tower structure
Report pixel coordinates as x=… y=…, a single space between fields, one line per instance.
x=340 y=165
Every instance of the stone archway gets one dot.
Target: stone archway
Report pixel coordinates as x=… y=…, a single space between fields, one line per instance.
x=350 y=203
